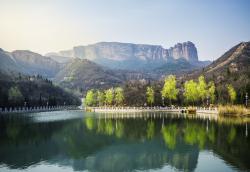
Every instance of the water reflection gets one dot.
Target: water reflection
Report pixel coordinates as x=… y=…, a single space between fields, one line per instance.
x=122 y=142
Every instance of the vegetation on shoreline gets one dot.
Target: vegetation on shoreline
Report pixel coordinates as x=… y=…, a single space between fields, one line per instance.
x=191 y=92
x=23 y=90
x=233 y=110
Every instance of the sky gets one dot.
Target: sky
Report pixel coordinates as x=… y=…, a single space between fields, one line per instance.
x=43 y=26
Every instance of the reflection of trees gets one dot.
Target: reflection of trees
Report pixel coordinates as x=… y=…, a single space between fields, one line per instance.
x=89 y=122
x=169 y=133
x=98 y=144
x=24 y=144
x=12 y=131
x=105 y=126
x=150 y=129
x=119 y=130
x=231 y=135
x=211 y=134
x=195 y=134
x=109 y=127
x=149 y=155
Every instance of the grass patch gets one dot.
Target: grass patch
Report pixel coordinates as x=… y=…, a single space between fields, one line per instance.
x=236 y=110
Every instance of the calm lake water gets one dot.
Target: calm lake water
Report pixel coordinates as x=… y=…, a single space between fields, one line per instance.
x=79 y=141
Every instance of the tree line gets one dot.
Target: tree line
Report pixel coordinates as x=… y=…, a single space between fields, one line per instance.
x=22 y=90
x=112 y=96
x=192 y=92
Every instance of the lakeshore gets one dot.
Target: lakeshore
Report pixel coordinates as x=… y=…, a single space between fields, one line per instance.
x=153 y=109
x=169 y=139
x=12 y=110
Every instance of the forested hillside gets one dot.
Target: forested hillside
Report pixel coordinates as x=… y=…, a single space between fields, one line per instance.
x=232 y=68
x=17 y=89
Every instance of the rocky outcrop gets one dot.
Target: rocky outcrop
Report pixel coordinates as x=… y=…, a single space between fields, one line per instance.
x=133 y=56
x=186 y=50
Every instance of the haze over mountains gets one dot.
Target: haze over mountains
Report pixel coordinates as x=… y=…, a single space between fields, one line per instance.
x=106 y=64
x=20 y=71
x=28 y=62
x=116 y=55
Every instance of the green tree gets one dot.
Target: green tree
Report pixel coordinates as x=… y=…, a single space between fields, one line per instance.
x=90 y=98
x=190 y=91
x=150 y=95
x=109 y=96
x=202 y=88
x=14 y=94
x=119 y=96
x=231 y=93
x=211 y=91
x=100 y=98
x=169 y=90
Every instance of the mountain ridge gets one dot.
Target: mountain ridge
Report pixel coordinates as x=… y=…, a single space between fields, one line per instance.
x=118 y=55
x=233 y=68
x=28 y=62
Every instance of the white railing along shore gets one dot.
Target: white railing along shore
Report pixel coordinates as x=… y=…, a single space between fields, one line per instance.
x=35 y=109
x=155 y=108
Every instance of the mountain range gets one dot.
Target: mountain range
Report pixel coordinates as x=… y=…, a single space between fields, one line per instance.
x=106 y=64
x=128 y=56
x=28 y=62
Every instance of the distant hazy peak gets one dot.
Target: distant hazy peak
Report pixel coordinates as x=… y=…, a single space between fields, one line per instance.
x=131 y=56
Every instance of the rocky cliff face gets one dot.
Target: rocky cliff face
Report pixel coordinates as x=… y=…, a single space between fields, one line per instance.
x=186 y=50
x=132 y=56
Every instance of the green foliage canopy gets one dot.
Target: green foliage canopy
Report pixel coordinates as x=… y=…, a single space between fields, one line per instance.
x=90 y=98
x=231 y=93
x=119 y=96
x=100 y=98
x=14 y=94
x=202 y=88
x=109 y=96
x=150 y=95
x=169 y=90
x=211 y=91
x=190 y=91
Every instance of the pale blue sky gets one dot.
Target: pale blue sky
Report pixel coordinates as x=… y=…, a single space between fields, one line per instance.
x=52 y=25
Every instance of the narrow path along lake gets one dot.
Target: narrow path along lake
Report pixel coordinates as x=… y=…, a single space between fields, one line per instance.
x=80 y=141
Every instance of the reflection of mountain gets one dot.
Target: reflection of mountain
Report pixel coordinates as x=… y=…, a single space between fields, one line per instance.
x=143 y=156
x=103 y=144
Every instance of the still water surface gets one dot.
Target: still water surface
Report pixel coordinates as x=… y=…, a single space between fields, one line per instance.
x=79 y=141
